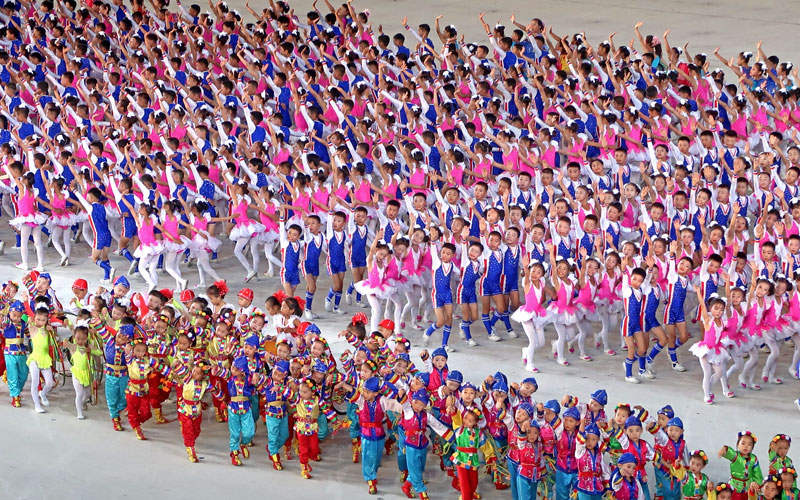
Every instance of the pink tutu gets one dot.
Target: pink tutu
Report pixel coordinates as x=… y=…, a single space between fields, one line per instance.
x=533 y=312
x=151 y=250
x=33 y=220
x=714 y=354
x=246 y=230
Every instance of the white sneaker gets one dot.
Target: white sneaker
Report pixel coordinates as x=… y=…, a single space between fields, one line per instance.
x=43 y=398
x=449 y=348
x=250 y=275
x=41 y=410
x=678 y=367
x=362 y=305
x=308 y=315
x=417 y=327
x=183 y=284
x=20 y=265
x=81 y=417
x=648 y=374
x=531 y=368
x=338 y=311
x=797 y=403
x=512 y=334
x=348 y=298
x=328 y=305
x=494 y=338
x=133 y=266
x=632 y=380
x=471 y=343
x=65 y=261
x=426 y=339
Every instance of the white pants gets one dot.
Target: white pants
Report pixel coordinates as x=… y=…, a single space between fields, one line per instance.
x=47 y=373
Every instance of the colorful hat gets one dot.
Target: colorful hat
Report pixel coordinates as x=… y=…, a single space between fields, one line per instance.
x=240 y=364
x=421 y=395
x=187 y=296
x=468 y=385
x=257 y=312
x=667 y=411
x=17 y=306
x=45 y=276
x=455 y=376
x=632 y=422
x=592 y=429
x=701 y=454
x=572 y=413
x=372 y=384
x=246 y=293
x=749 y=434
x=127 y=330
x=80 y=284
x=781 y=437
x=600 y=396
x=282 y=366
x=553 y=406
x=675 y=422
x=403 y=357
x=439 y=351
x=531 y=380
x=122 y=280
x=320 y=367
x=527 y=408
x=252 y=341
x=500 y=386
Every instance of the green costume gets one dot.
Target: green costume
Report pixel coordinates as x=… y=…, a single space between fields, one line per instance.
x=743 y=470
x=777 y=463
x=694 y=487
x=467 y=444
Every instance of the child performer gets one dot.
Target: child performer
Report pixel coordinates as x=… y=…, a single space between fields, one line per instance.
x=623 y=479
x=241 y=426
x=593 y=471
x=465 y=458
x=710 y=351
x=40 y=362
x=308 y=406
x=671 y=449
x=444 y=270
x=530 y=452
x=190 y=409
x=532 y=315
x=746 y=475
x=81 y=377
x=277 y=393
x=778 y=450
x=695 y=484
x=15 y=352
x=140 y=365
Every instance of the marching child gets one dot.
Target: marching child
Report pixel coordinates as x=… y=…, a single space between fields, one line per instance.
x=190 y=409
x=746 y=475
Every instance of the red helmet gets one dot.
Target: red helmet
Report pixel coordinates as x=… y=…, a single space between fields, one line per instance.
x=246 y=294
x=80 y=284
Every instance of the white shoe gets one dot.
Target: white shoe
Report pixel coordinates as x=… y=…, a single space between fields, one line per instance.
x=512 y=334
x=494 y=338
x=531 y=368
x=648 y=374
x=363 y=305
x=632 y=380
x=417 y=327
x=793 y=373
x=472 y=343
x=678 y=367
x=133 y=266
x=20 y=265
x=65 y=261
x=38 y=269
x=43 y=398
x=338 y=311
x=250 y=275
x=41 y=410
x=308 y=315
x=449 y=348
x=328 y=305
x=200 y=285
x=426 y=339
x=81 y=417
x=183 y=284
x=348 y=298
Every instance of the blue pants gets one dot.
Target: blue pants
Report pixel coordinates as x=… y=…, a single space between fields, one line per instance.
x=565 y=483
x=400 y=437
x=415 y=461
x=277 y=433
x=586 y=496
x=667 y=487
x=645 y=489
x=254 y=409
x=371 y=453
x=322 y=423
x=352 y=416
x=526 y=488
x=241 y=429
x=115 y=394
x=17 y=372
x=513 y=473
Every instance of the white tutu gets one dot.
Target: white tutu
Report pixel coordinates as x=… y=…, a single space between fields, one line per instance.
x=715 y=358
x=36 y=219
x=266 y=236
x=200 y=244
x=604 y=306
x=246 y=231
x=171 y=246
x=521 y=316
x=588 y=315
x=364 y=288
x=112 y=213
x=413 y=280
x=82 y=217
x=63 y=221
x=561 y=318
x=145 y=251
x=399 y=287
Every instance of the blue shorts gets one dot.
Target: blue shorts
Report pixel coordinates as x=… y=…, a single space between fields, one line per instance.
x=490 y=287
x=511 y=285
x=336 y=265
x=102 y=240
x=650 y=320
x=468 y=296
x=358 y=258
x=631 y=328
x=442 y=299
x=291 y=276
x=311 y=267
x=129 y=229
x=674 y=314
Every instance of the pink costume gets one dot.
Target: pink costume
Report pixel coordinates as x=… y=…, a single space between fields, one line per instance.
x=149 y=246
x=533 y=310
x=712 y=347
x=563 y=310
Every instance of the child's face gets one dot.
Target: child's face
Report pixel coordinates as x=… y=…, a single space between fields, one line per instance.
x=40 y=320
x=293 y=235
x=724 y=495
x=305 y=392
x=256 y=323
x=769 y=490
x=674 y=432
x=533 y=434
x=621 y=415
x=81 y=338
x=570 y=424
x=249 y=350
x=628 y=469
x=527 y=389
x=591 y=441
x=197 y=373
x=470 y=420
x=453 y=385
x=787 y=479
x=468 y=395
x=139 y=350
x=183 y=343
x=781 y=448
x=634 y=433
x=745 y=445
x=696 y=465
